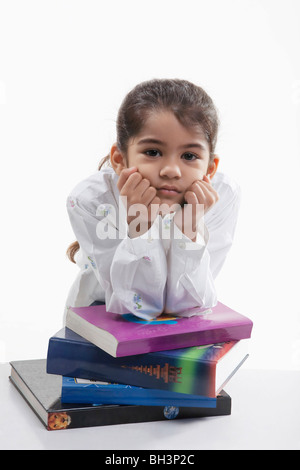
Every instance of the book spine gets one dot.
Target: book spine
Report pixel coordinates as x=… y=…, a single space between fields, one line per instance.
x=73 y=392
x=195 y=338
x=158 y=370
x=110 y=415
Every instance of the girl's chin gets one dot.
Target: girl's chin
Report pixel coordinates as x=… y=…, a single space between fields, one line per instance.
x=171 y=202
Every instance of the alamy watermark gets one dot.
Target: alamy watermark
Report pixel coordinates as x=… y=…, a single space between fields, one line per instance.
x=171 y=221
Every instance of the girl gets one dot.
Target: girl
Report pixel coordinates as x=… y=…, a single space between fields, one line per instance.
x=152 y=260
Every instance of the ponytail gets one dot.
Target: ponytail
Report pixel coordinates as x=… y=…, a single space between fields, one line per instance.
x=72 y=250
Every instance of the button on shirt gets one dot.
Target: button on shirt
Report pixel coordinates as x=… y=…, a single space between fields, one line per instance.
x=160 y=271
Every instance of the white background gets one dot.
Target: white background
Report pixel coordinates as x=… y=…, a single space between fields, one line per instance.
x=65 y=66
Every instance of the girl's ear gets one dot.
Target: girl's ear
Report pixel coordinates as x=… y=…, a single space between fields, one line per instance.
x=117 y=159
x=212 y=167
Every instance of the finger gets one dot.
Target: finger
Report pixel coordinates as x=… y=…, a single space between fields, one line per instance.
x=124 y=175
x=207 y=191
x=190 y=197
x=200 y=193
x=154 y=207
x=206 y=179
x=207 y=184
x=148 y=196
x=191 y=211
x=156 y=200
x=131 y=183
x=141 y=188
x=137 y=187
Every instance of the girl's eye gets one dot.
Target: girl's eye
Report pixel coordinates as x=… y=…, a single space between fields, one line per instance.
x=152 y=153
x=189 y=156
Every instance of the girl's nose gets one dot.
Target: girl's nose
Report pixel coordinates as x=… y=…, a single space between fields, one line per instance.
x=170 y=170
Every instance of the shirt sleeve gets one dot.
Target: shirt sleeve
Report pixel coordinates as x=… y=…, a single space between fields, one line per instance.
x=193 y=266
x=132 y=272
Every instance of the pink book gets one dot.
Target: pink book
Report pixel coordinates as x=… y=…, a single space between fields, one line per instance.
x=127 y=335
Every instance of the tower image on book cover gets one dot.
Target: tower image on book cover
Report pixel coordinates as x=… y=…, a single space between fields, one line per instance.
x=167 y=373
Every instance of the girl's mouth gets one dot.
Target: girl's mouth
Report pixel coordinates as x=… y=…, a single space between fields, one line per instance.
x=168 y=191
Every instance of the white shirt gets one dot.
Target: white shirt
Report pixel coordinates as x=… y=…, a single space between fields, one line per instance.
x=153 y=273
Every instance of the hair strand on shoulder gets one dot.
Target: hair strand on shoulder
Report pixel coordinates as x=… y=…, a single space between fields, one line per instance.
x=72 y=250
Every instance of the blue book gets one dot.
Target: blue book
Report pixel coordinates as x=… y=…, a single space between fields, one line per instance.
x=103 y=393
x=202 y=371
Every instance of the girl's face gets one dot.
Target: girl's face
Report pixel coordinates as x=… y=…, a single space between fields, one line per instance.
x=170 y=156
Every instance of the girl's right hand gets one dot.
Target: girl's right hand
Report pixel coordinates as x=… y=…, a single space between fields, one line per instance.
x=138 y=190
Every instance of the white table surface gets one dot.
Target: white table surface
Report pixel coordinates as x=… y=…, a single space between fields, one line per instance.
x=265 y=415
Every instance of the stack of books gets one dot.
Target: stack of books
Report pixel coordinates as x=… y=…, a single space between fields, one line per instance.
x=104 y=368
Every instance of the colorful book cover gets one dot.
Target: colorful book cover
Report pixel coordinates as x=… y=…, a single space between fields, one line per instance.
x=126 y=335
x=200 y=370
x=91 y=392
x=42 y=392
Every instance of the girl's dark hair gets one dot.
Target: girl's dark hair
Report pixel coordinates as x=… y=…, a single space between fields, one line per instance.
x=191 y=105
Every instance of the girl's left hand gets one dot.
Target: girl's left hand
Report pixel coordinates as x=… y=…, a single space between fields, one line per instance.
x=199 y=198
